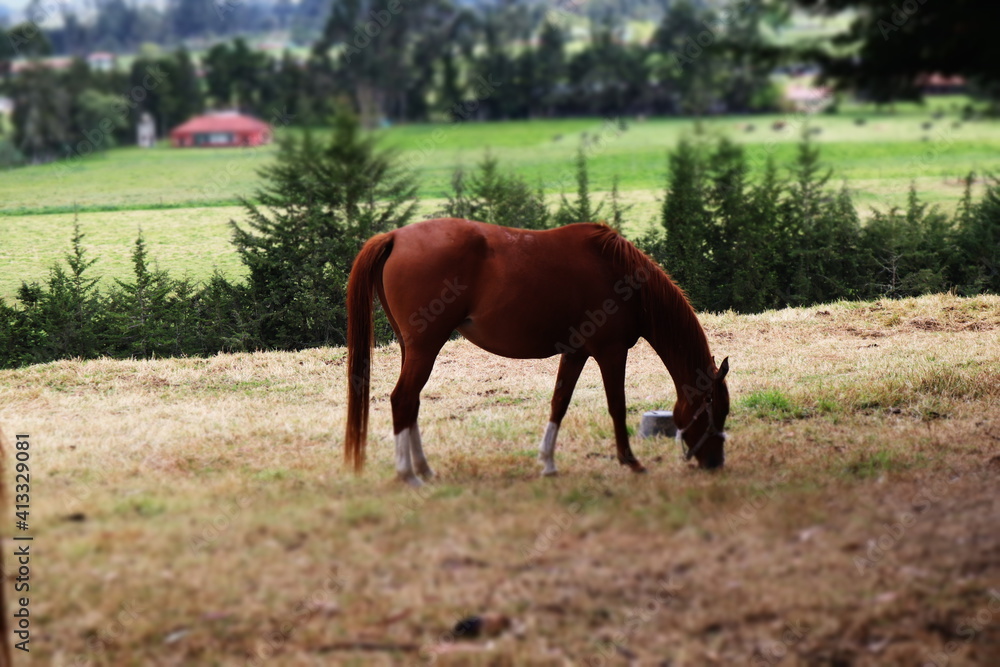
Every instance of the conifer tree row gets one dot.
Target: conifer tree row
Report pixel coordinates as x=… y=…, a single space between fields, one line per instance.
x=731 y=238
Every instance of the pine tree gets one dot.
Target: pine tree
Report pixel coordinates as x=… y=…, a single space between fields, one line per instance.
x=142 y=312
x=581 y=210
x=82 y=286
x=321 y=201
x=758 y=290
x=459 y=200
x=932 y=251
x=14 y=332
x=840 y=235
x=978 y=237
x=183 y=321
x=744 y=229
x=618 y=209
x=490 y=195
x=65 y=312
x=224 y=317
x=686 y=220
x=801 y=212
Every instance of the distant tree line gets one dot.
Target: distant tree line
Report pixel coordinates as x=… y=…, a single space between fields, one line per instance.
x=731 y=239
x=432 y=60
x=124 y=27
x=890 y=45
x=78 y=111
x=412 y=60
x=427 y=59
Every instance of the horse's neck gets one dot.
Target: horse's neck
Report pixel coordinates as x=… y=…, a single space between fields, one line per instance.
x=680 y=342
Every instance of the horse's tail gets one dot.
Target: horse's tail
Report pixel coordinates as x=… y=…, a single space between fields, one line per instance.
x=5 y=637
x=365 y=274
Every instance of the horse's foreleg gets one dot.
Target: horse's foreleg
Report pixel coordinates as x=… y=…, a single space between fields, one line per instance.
x=405 y=407
x=613 y=373
x=570 y=367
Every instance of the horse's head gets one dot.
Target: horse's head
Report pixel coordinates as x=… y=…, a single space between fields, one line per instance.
x=700 y=415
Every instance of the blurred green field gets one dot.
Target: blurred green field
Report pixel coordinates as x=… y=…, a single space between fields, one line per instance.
x=183 y=199
x=888 y=148
x=192 y=242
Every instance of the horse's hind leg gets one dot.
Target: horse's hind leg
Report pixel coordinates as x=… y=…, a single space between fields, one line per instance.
x=417 y=457
x=405 y=407
x=613 y=372
x=570 y=367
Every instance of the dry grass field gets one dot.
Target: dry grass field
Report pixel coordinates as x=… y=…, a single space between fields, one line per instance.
x=196 y=511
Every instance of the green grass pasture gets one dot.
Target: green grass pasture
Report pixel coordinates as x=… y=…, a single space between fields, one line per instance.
x=182 y=199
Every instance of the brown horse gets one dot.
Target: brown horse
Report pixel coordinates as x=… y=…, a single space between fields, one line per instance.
x=580 y=291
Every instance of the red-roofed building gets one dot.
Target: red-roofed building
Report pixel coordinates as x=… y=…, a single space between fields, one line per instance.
x=226 y=128
x=60 y=64
x=102 y=61
x=939 y=84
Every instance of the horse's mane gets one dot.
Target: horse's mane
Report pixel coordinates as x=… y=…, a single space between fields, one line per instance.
x=669 y=314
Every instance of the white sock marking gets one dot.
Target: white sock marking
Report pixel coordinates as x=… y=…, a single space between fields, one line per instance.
x=404 y=467
x=547 y=450
x=417 y=454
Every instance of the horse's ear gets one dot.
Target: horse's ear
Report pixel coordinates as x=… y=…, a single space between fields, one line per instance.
x=723 y=369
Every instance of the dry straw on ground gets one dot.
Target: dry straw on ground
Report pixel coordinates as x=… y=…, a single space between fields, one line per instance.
x=195 y=511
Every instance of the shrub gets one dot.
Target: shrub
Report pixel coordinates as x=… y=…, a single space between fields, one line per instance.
x=497 y=198
x=907 y=252
x=224 y=316
x=977 y=238
x=150 y=316
x=19 y=338
x=581 y=210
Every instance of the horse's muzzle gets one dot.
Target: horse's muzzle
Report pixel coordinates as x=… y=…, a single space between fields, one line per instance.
x=713 y=464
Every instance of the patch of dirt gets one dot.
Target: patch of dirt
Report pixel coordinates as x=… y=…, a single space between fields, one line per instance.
x=977 y=326
x=925 y=324
x=861 y=333
x=956 y=322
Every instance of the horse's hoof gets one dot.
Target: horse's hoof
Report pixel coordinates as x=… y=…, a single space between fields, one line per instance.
x=637 y=468
x=427 y=474
x=549 y=472
x=411 y=480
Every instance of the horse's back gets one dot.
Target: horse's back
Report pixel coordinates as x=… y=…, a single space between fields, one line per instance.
x=443 y=235
x=511 y=291
x=505 y=254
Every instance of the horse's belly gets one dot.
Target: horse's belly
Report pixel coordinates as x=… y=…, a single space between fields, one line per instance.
x=530 y=334
x=509 y=339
